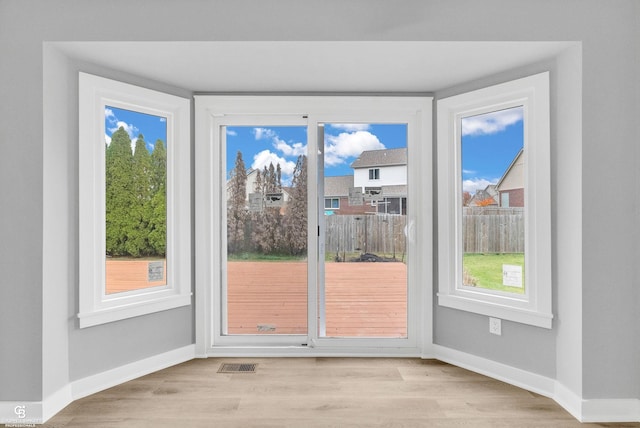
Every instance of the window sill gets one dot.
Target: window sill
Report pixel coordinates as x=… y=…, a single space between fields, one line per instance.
x=497 y=310
x=129 y=310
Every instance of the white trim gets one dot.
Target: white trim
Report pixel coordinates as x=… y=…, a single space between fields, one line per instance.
x=521 y=378
x=38 y=412
x=56 y=402
x=610 y=410
x=589 y=410
x=95 y=93
x=212 y=111
x=534 y=307
x=110 y=378
x=569 y=400
x=584 y=410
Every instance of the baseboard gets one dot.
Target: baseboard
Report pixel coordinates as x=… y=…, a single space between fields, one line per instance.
x=38 y=412
x=595 y=410
x=521 y=378
x=101 y=381
x=610 y=410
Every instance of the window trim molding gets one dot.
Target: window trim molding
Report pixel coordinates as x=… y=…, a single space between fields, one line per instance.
x=95 y=306
x=535 y=307
x=211 y=111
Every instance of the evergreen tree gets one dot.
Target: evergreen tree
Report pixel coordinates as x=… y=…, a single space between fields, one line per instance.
x=236 y=206
x=140 y=210
x=295 y=220
x=158 y=204
x=118 y=192
x=267 y=229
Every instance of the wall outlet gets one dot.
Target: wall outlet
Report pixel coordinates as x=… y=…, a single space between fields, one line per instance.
x=495 y=326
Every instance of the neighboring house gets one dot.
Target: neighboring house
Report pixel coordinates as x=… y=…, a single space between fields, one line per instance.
x=377 y=168
x=382 y=175
x=336 y=197
x=511 y=185
x=481 y=196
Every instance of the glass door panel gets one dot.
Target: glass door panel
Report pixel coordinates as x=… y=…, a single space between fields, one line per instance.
x=265 y=257
x=363 y=215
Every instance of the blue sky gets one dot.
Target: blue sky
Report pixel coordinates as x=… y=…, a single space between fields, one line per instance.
x=344 y=142
x=490 y=142
x=153 y=128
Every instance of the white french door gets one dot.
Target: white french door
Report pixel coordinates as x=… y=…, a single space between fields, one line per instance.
x=313 y=224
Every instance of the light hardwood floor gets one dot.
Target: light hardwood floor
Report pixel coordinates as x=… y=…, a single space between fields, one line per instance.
x=316 y=392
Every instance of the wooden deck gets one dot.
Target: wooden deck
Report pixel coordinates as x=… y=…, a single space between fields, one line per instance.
x=362 y=299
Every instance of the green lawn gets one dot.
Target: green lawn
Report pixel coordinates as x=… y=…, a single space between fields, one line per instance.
x=485 y=270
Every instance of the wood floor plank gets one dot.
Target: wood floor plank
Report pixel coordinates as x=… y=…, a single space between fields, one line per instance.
x=316 y=392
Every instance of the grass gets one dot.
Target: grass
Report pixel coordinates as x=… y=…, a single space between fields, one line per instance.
x=485 y=270
x=252 y=257
x=329 y=257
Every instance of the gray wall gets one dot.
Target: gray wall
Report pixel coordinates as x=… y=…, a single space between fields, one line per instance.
x=596 y=281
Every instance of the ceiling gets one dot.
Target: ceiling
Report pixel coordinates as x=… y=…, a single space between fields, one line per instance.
x=312 y=66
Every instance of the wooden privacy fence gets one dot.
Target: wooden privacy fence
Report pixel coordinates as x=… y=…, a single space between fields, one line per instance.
x=493 y=230
x=380 y=234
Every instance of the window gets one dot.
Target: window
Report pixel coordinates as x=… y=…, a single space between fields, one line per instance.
x=493 y=145
x=332 y=203
x=374 y=174
x=133 y=201
x=396 y=206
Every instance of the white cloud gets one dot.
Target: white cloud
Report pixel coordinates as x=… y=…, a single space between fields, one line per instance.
x=351 y=127
x=491 y=123
x=294 y=149
x=265 y=157
x=107 y=139
x=475 y=184
x=263 y=133
x=348 y=145
x=109 y=115
x=286 y=148
x=231 y=133
x=130 y=128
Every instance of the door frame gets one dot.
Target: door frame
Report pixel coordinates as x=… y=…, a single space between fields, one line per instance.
x=414 y=110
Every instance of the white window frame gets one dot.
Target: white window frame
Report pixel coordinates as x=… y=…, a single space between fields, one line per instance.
x=96 y=307
x=374 y=174
x=210 y=112
x=534 y=307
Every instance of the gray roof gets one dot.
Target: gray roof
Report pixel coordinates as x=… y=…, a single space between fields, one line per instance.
x=338 y=185
x=395 y=190
x=385 y=157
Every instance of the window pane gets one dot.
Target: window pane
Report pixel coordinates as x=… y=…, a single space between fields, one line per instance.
x=493 y=200
x=135 y=200
x=365 y=271
x=266 y=229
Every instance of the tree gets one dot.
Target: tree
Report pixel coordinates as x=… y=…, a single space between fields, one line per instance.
x=236 y=208
x=140 y=210
x=267 y=230
x=158 y=204
x=118 y=192
x=486 y=202
x=466 y=197
x=295 y=221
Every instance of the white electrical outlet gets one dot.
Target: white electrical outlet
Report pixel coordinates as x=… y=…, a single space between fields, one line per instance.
x=495 y=326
